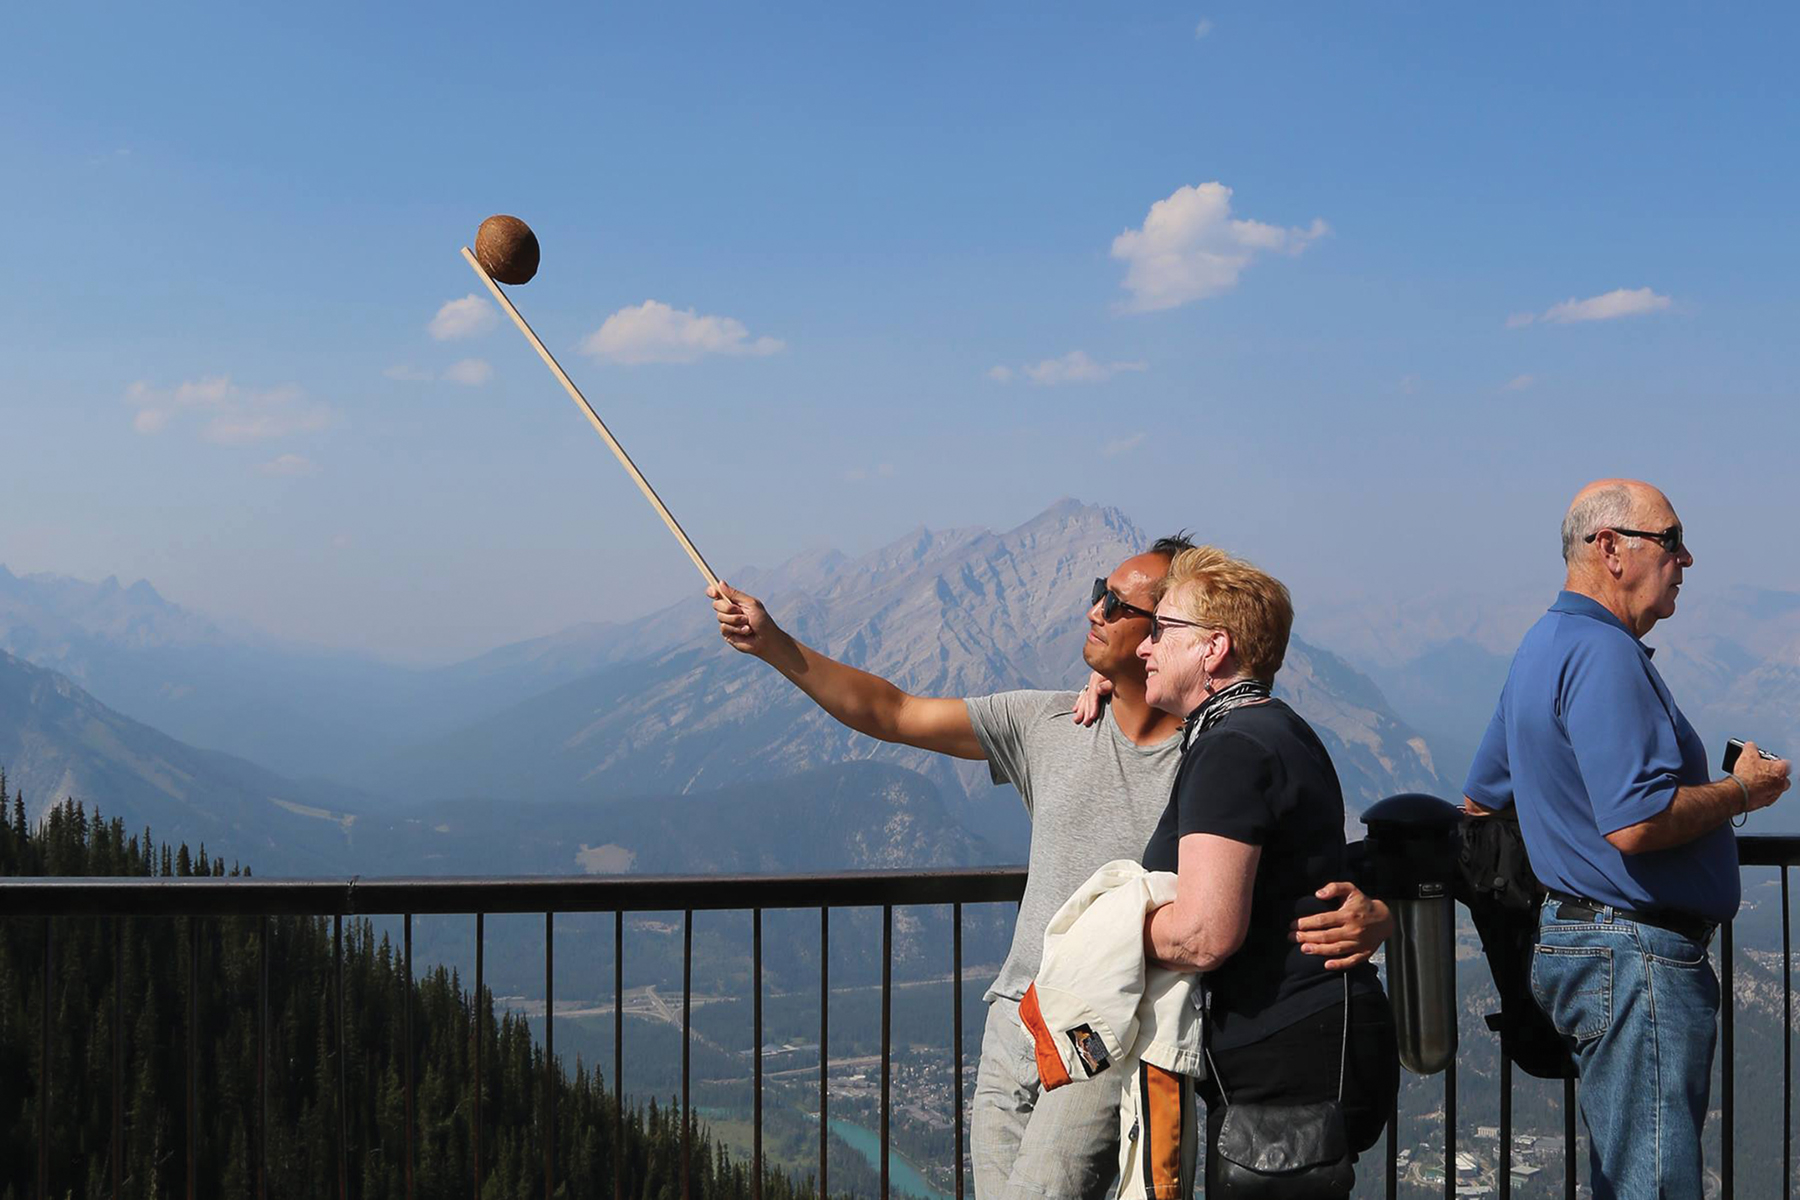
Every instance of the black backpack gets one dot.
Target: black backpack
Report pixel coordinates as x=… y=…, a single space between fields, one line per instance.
x=1496 y=884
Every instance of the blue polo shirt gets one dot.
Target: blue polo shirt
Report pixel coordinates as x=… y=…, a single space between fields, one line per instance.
x=1586 y=740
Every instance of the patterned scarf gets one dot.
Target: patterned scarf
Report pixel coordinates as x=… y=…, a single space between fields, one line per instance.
x=1215 y=706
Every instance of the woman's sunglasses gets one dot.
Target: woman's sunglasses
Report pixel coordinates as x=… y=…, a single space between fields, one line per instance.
x=1161 y=625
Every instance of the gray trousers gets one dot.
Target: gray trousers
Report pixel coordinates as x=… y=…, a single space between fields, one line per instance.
x=1026 y=1143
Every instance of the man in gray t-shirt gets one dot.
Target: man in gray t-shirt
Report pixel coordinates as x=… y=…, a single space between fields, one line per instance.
x=1095 y=793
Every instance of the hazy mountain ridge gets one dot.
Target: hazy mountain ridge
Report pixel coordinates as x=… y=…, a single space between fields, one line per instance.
x=659 y=705
x=54 y=611
x=1730 y=655
x=57 y=742
x=292 y=708
x=301 y=710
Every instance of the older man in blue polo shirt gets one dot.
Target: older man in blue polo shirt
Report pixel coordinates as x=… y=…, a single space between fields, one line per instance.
x=1629 y=834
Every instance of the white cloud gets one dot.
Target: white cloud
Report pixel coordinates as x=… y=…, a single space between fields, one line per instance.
x=653 y=332
x=1203 y=28
x=1518 y=383
x=1115 y=448
x=226 y=413
x=407 y=373
x=1190 y=248
x=1000 y=374
x=1608 y=306
x=463 y=318
x=472 y=372
x=1409 y=384
x=151 y=420
x=1620 y=302
x=1074 y=367
x=288 y=466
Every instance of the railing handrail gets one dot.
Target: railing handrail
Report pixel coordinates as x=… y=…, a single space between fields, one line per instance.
x=1768 y=850
x=249 y=896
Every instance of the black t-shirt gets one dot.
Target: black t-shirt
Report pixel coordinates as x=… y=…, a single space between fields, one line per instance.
x=1261 y=776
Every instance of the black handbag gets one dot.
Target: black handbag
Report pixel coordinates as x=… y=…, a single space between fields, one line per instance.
x=1284 y=1151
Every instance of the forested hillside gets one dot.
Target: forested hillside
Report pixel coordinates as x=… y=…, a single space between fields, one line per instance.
x=303 y=1063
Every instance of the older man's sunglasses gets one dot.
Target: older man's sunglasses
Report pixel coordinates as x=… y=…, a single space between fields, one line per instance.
x=1110 y=604
x=1669 y=539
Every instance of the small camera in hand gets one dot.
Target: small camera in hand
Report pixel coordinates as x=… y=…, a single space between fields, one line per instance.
x=1735 y=747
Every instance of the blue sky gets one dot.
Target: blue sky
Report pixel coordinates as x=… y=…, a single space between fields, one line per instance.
x=232 y=232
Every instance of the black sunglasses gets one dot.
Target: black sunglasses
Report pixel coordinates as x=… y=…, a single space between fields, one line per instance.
x=1669 y=539
x=1160 y=625
x=1110 y=604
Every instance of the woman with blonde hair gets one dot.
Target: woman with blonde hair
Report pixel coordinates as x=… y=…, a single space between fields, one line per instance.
x=1254 y=829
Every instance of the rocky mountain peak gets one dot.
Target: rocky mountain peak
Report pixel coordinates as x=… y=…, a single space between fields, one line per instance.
x=954 y=613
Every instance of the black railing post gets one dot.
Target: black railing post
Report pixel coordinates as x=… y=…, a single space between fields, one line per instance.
x=1393 y=1146
x=1450 y=1131
x=343 y=1116
x=756 y=1053
x=687 y=994
x=480 y=943
x=549 y=1056
x=118 y=1060
x=1569 y=1139
x=262 y=1059
x=887 y=1034
x=407 y=1032
x=43 y=1098
x=193 y=1057
x=956 y=1035
x=619 y=1055
x=1727 y=1070
x=824 y=1037
x=1506 y=1075
x=1787 y=1042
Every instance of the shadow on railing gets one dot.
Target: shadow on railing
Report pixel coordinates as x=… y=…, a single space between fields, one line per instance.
x=49 y=899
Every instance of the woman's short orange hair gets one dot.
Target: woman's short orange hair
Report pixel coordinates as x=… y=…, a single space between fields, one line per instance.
x=1222 y=592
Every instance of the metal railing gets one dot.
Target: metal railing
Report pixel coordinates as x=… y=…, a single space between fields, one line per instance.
x=49 y=899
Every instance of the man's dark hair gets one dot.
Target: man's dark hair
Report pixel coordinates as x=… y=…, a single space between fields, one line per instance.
x=1172 y=545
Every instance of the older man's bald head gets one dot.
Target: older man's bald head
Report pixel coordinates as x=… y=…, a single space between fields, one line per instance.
x=1608 y=504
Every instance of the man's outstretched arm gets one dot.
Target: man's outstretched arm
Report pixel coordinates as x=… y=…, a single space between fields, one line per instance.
x=864 y=702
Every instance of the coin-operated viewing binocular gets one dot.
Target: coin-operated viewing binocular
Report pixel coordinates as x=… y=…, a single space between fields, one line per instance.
x=1411 y=861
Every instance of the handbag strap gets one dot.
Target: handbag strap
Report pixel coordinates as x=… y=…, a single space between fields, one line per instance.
x=1344 y=1047
x=1343 y=1052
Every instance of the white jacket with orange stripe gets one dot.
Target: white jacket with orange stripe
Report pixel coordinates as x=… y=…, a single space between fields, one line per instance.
x=1097 y=1002
x=1099 y=1007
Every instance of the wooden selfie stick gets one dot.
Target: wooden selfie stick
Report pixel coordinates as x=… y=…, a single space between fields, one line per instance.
x=637 y=476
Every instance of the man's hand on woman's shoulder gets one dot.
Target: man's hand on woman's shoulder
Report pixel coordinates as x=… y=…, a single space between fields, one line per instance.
x=1091 y=698
x=1350 y=933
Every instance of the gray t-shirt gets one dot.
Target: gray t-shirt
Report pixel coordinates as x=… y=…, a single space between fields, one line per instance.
x=1094 y=795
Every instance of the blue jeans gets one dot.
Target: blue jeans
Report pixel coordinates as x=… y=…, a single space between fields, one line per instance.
x=1640 y=1005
